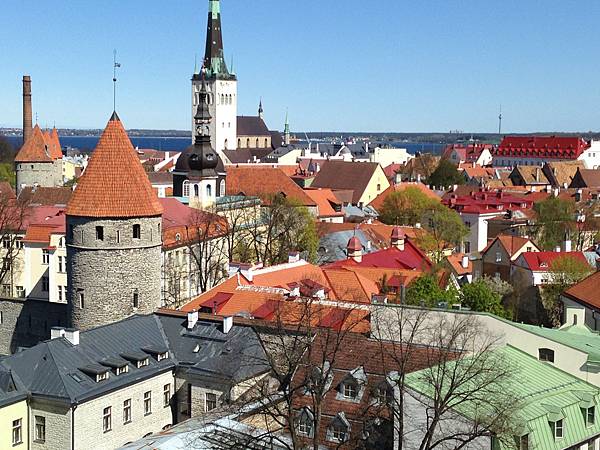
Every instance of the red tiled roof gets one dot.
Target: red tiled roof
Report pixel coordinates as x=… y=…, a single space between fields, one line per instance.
x=455 y=261
x=324 y=199
x=114 y=183
x=468 y=153
x=512 y=244
x=263 y=182
x=39 y=148
x=542 y=261
x=586 y=291
x=547 y=147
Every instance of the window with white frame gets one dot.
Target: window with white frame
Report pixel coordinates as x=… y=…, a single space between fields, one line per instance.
x=45 y=256
x=305 y=423
x=61 y=264
x=101 y=376
x=122 y=369
x=590 y=416
x=350 y=389
x=127 y=411
x=167 y=395
x=40 y=429
x=17 y=431
x=45 y=284
x=20 y=291
x=162 y=356
x=142 y=363
x=147 y=403
x=558 y=429
x=60 y=293
x=498 y=257
x=106 y=419
x=338 y=431
x=186 y=188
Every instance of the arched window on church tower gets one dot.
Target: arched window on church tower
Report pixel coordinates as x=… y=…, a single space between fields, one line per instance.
x=222 y=99
x=239 y=143
x=208 y=190
x=196 y=191
x=186 y=188
x=222 y=188
x=225 y=144
x=248 y=143
x=256 y=142
x=266 y=142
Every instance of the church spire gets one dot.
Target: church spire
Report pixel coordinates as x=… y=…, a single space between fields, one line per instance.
x=260 y=109
x=214 y=59
x=286 y=130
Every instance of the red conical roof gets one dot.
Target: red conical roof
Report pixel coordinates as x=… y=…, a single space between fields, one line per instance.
x=354 y=244
x=114 y=183
x=38 y=148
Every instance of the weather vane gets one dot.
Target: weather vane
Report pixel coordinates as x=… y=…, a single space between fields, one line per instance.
x=115 y=66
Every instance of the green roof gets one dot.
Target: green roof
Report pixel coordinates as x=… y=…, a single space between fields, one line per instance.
x=544 y=394
x=579 y=337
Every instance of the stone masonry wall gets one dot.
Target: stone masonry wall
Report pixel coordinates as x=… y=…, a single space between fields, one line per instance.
x=58 y=425
x=24 y=323
x=109 y=271
x=43 y=174
x=89 y=433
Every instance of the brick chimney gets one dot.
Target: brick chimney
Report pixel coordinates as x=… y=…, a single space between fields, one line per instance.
x=27 y=116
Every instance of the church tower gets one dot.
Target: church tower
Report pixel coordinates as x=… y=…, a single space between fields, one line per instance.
x=113 y=236
x=221 y=85
x=197 y=175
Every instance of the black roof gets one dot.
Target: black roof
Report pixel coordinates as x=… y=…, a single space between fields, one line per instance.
x=252 y=126
x=59 y=369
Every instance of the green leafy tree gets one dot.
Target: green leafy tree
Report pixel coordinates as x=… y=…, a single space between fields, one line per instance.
x=7 y=173
x=405 y=207
x=555 y=221
x=565 y=271
x=445 y=230
x=446 y=174
x=426 y=291
x=479 y=296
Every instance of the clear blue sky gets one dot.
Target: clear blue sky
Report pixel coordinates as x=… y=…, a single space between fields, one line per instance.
x=392 y=65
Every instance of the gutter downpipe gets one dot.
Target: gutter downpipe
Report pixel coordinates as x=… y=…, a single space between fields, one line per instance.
x=73 y=426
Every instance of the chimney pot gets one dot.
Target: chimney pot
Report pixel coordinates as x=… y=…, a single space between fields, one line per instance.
x=227 y=324
x=72 y=335
x=27 y=115
x=192 y=319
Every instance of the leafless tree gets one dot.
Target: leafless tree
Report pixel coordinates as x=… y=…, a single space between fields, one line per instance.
x=13 y=216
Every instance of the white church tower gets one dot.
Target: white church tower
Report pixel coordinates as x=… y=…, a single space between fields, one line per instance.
x=220 y=84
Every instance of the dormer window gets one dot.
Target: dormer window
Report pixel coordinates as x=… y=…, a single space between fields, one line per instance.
x=524 y=442
x=122 y=370
x=590 y=416
x=558 y=429
x=339 y=429
x=101 y=376
x=384 y=394
x=546 y=354
x=142 y=363
x=350 y=389
x=305 y=421
x=161 y=356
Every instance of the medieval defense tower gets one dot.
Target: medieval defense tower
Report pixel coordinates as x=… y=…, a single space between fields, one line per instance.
x=113 y=236
x=221 y=85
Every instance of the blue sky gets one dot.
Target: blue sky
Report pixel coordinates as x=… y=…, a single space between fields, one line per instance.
x=392 y=65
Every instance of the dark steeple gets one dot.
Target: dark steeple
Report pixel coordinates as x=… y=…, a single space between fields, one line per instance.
x=214 y=58
x=202 y=159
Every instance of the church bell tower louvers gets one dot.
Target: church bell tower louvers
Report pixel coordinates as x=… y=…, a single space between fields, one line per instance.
x=221 y=85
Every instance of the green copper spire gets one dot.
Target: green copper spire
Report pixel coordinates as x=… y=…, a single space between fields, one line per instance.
x=286 y=128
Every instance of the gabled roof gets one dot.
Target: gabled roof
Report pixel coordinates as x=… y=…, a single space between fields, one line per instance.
x=346 y=175
x=39 y=148
x=586 y=291
x=114 y=183
x=47 y=196
x=512 y=244
x=547 y=147
x=529 y=175
x=252 y=126
x=561 y=173
x=589 y=178
x=325 y=201
x=542 y=261
x=6 y=191
x=259 y=181
x=455 y=262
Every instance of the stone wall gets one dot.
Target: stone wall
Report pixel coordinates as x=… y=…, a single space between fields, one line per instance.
x=43 y=174
x=88 y=416
x=58 y=424
x=24 y=323
x=111 y=271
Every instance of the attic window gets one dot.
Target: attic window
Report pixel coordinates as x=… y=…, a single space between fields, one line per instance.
x=196 y=348
x=76 y=377
x=558 y=429
x=546 y=354
x=101 y=376
x=161 y=356
x=122 y=370
x=178 y=237
x=142 y=363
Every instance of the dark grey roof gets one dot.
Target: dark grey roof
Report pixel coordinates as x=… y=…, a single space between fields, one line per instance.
x=57 y=368
x=276 y=139
x=332 y=246
x=246 y=155
x=252 y=126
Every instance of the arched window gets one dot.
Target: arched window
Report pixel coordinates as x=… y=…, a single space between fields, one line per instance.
x=256 y=142
x=222 y=99
x=208 y=190
x=196 y=191
x=266 y=142
x=248 y=143
x=239 y=143
x=546 y=354
x=225 y=145
x=186 y=188
x=222 y=188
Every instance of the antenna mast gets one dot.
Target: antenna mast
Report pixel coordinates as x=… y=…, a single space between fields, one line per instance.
x=115 y=66
x=500 y=120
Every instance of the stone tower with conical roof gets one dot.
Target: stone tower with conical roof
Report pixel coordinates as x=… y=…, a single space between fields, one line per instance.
x=221 y=85
x=113 y=236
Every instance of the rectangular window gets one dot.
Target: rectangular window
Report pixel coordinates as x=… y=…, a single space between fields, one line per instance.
x=211 y=401
x=20 y=291
x=127 y=411
x=524 y=442
x=45 y=284
x=558 y=429
x=81 y=300
x=40 y=429
x=498 y=257
x=590 y=416
x=99 y=233
x=17 y=432
x=61 y=264
x=136 y=299
x=167 y=395
x=142 y=363
x=106 y=420
x=60 y=293
x=6 y=263
x=147 y=403
x=162 y=356
x=350 y=390
x=45 y=256
x=137 y=232
x=6 y=242
x=123 y=369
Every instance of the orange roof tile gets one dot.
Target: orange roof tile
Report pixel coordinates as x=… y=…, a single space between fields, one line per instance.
x=324 y=198
x=38 y=148
x=114 y=183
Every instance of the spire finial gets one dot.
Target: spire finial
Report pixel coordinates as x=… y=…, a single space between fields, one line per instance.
x=260 y=108
x=116 y=65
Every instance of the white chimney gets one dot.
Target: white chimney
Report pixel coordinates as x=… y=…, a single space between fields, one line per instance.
x=567 y=245
x=227 y=324
x=72 y=335
x=192 y=319
x=368 y=245
x=465 y=262
x=293 y=257
x=557 y=249
x=56 y=332
x=166 y=155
